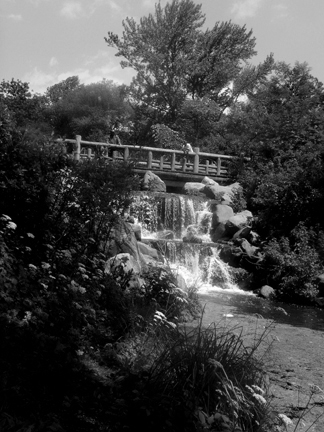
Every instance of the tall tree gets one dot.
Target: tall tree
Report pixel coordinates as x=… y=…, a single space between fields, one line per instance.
x=176 y=60
x=158 y=49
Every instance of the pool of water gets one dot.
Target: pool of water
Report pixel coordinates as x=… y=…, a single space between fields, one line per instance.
x=246 y=304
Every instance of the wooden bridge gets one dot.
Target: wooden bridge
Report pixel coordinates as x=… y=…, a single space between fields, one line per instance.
x=174 y=167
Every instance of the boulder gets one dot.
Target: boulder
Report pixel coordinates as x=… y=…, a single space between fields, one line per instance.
x=238 y=221
x=266 y=292
x=125 y=263
x=192 y=188
x=137 y=229
x=218 y=233
x=247 y=248
x=147 y=250
x=123 y=240
x=216 y=191
x=231 y=255
x=242 y=233
x=153 y=183
x=222 y=213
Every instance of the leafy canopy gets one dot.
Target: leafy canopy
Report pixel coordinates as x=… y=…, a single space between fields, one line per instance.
x=175 y=59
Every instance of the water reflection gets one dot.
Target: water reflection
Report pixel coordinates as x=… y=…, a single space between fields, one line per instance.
x=297 y=316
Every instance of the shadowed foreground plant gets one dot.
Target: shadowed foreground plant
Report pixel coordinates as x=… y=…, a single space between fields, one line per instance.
x=203 y=379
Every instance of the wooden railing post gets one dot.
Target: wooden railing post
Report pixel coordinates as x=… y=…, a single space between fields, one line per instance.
x=126 y=153
x=173 y=161
x=89 y=152
x=219 y=164
x=196 y=160
x=149 y=160
x=161 y=162
x=77 y=150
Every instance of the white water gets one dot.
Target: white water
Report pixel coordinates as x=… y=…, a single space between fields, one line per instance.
x=200 y=267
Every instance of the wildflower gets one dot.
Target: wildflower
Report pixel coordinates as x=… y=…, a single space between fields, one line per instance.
x=257 y=389
x=82 y=290
x=259 y=398
x=32 y=267
x=285 y=420
x=11 y=225
x=30 y=235
x=5 y=218
x=45 y=265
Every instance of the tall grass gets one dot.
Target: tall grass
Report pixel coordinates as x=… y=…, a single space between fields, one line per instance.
x=202 y=379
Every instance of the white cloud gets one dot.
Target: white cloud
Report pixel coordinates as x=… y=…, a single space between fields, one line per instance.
x=91 y=72
x=53 y=61
x=72 y=10
x=281 y=10
x=246 y=8
x=15 y=17
x=39 y=80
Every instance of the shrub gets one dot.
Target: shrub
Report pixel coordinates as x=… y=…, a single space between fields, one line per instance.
x=203 y=379
x=291 y=266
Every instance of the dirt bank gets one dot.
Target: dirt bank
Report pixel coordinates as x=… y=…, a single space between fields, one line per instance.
x=294 y=361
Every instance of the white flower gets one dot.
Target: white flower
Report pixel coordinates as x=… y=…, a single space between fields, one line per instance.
x=45 y=265
x=30 y=235
x=259 y=398
x=32 y=267
x=257 y=389
x=11 y=225
x=285 y=420
x=5 y=217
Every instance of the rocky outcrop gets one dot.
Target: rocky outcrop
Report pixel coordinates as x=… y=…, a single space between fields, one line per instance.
x=266 y=292
x=153 y=183
x=216 y=191
x=192 y=188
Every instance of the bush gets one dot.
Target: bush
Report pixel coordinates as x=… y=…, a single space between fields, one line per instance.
x=203 y=379
x=291 y=265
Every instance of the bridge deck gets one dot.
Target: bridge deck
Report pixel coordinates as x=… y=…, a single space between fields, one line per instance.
x=173 y=166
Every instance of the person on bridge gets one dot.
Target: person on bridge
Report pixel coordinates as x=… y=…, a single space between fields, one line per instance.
x=113 y=139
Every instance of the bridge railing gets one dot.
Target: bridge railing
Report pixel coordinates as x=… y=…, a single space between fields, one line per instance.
x=155 y=159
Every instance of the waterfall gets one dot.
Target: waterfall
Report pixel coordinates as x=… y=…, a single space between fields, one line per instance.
x=165 y=218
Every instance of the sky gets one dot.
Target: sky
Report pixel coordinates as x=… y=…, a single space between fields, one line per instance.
x=43 y=42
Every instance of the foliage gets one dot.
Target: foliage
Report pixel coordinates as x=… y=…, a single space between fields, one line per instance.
x=202 y=379
x=88 y=110
x=292 y=264
x=165 y=137
x=22 y=114
x=176 y=61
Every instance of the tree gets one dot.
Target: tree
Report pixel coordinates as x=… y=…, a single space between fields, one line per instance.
x=60 y=90
x=176 y=61
x=281 y=129
x=21 y=112
x=87 y=110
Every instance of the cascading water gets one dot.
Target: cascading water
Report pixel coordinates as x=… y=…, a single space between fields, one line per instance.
x=165 y=219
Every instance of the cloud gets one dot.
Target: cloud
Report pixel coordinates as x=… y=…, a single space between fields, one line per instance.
x=72 y=10
x=53 y=61
x=15 y=17
x=90 y=72
x=246 y=8
x=39 y=80
x=281 y=10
